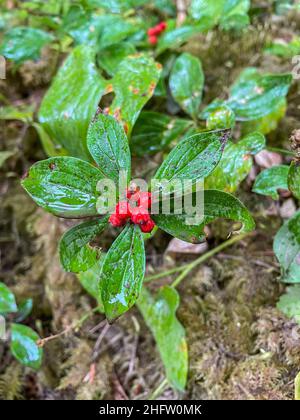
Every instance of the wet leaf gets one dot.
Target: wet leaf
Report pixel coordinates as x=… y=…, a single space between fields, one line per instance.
x=64 y=186
x=153 y=132
x=294 y=179
x=24 y=346
x=7 y=300
x=23 y=43
x=108 y=145
x=287 y=249
x=217 y=204
x=109 y=58
x=133 y=85
x=194 y=157
x=123 y=272
x=235 y=14
x=24 y=310
x=89 y=280
x=254 y=95
x=117 y=6
x=76 y=253
x=71 y=102
x=269 y=181
x=174 y=37
x=289 y=303
x=235 y=164
x=186 y=83
x=159 y=313
x=221 y=118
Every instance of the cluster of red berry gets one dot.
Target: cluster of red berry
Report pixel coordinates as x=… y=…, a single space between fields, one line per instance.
x=137 y=214
x=154 y=32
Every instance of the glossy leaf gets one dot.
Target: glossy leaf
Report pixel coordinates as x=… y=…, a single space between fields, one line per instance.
x=217 y=204
x=235 y=164
x=7 y=300
x=72 y=101
x=289 y=303
x=108 y=145
x=64 y=186
x=24 y=43
x=254 y=95
x=235 y=14
x=117 y=6
x=116 y=29
x=109 y=58
x=24 y=310
x=221 y=118
x=24 y=346
x=123 y=272
x=207 y=11
x=89 y=280
x=294 y=179
x=194 y=157
x=269 y=181
x=76 y=253
x=159 y=313
x=175 y=37
x=153 y=132
x=133 y=85
x=287 y=249
x=186 y=83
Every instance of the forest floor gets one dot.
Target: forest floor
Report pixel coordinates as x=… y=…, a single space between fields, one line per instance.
x=240 y=345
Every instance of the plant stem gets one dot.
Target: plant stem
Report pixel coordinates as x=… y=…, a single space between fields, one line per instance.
x=282 y=151
x=189 y=267
x=156 y=393
x=74 y=326
x=186 y=268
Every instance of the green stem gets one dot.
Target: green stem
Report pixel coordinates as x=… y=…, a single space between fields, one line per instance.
x=186 y=268
x=282 y=151
x=156 y=393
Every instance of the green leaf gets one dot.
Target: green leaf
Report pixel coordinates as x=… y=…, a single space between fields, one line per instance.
x=269 y=181
x=109 y=58
x=287 y=249
x=50 y=148
x=116 y=29
x=133 y=85
x=76 y=253
x=294 y=179
x=217 y=204
x=235 y=14
x=289 y=303
x=186 y=83
x=159 y=313
x=123 y=272
x=24 y=43
x=254 y=95
x=108 y=145
x=24 y=346
x=297 y=387
x=153 y=132
x=117 y=6
x=64 y=186
x=235 y=163
x=173 y=38
x=23 y=113
x=90 y=281
x=284 y=49
x=222 y=117
x=194 y=157
x=24 y=310
x=207 y=11
x=72 y=101
x=7 y=300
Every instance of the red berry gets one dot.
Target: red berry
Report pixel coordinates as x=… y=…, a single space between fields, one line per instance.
x=148 y=226
x=122 y=210
x=152 y=31
x=162 y=26
x=138 y=215
x=145 y=200
x=116 y=221
x=152 y=40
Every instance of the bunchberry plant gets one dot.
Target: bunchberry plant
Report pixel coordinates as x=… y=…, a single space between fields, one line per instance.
x=22 y=339
x=69 y=187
